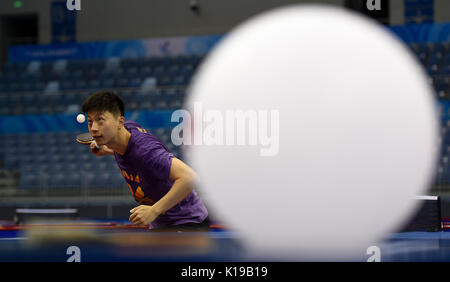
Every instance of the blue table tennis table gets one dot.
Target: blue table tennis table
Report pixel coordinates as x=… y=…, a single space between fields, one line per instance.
x=134 y=244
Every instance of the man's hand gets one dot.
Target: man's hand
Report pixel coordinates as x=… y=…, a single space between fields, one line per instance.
x=100 y=152
x=143 y=215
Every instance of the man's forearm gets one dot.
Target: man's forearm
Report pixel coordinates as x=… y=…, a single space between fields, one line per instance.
x=180 y=189
x=107 y=150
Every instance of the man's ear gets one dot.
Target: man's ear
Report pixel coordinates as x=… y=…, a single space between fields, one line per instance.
x=121 y=121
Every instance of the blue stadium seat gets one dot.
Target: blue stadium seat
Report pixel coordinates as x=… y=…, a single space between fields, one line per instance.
x=107 y=83
x=445 y=70
x=122 y=82
x=37 y=150
x=173 y=70
x=125 y=94
x=74 y=65
x=41 y=102
x=15 y=67
x=101 y=180
x=159 y=70
x=10 y=140
x=145 y=71
x=175 y=104
x=158 y=132
x=446 y=60
x=170 y=92
x=66 y=84
x=15 y=100
x=156 y=61
x=54 y=158
x=53 y=86
x=116 y=180
x=432 y=69
x=435 y=59
x=165 y=80
x=92 y=73
x=86 y=166
x=439 y=48
x=33 y=67
x=38 y=85
x=43 y=167
x=143 y=100
x=80 y=83
x=11 y=75
x=182 y=59
x=26 y=85
x=57 y=76
x=66 y=139
x=69 y=98
x=24 y=149
x=100 y=166
x=181 y=93
x=135 y=82
x=149 y=84
x=11 y=161
x=56 y=180
x=165 y=138
x=28 y=168
x=22 y=138
x=88 y=179
x=72 y=180
x=441 y=85
x=4 y=100
x=73 y=166
x=29 y=181
x=196 y=60
x=180 y=80
x=24 y=159
x=131 y=71
x=97 y=64
x=54 y=102
x=13 y=86
x=29 y=104
x=49 y=66
x=128 y=63
x=3 y=86
x=41 y=158
x=94 y=83
x=111 y=165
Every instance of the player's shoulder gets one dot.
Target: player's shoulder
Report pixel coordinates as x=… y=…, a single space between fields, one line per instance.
x=140 y=134
x=136 y=129
x=132 y=126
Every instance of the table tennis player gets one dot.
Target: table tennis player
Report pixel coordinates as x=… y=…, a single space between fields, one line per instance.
x=161 y=184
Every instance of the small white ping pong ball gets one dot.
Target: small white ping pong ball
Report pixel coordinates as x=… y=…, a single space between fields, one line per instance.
x=81 y=118
x=358 y=133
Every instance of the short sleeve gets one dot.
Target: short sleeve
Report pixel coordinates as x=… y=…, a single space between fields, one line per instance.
x=156 y=161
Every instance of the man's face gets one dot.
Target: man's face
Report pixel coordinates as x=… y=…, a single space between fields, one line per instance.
x=103 y=126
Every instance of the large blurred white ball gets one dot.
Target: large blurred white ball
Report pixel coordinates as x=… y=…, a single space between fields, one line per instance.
x=358 y=133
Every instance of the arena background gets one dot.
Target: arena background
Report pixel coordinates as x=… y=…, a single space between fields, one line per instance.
x=52 y=59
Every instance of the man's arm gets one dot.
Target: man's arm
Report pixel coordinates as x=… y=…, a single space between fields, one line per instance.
x=101 y=152
x=184 y=179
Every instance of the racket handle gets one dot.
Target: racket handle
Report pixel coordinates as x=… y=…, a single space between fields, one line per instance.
x=97 y=146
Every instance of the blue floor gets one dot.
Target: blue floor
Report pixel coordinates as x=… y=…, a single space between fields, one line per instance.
x=221 y=246
x=416 y=247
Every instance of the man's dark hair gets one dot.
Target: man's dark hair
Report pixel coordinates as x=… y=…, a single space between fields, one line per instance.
x=104 y=101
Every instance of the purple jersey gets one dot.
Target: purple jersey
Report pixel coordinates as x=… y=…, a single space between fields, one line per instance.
x=145 y=167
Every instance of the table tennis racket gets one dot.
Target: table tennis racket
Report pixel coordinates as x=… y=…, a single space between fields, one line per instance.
x=86 y=138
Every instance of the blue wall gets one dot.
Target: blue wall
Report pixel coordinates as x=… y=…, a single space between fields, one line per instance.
x=68 y=123
x=420 y=33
